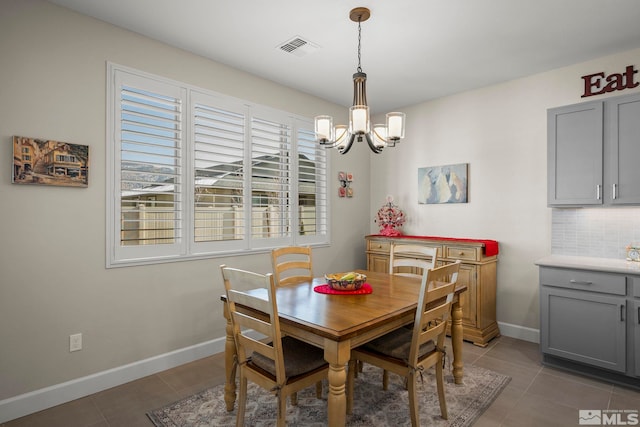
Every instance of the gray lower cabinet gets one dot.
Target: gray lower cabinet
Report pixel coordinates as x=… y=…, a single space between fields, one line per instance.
x=635 y=319
x=585 y=327
x=590 y=322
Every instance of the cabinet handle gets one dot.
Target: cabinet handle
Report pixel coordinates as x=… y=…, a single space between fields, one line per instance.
x=598 y=192
x=577 y=282
x=638 y=315
x=622 y=312
x=615 y=192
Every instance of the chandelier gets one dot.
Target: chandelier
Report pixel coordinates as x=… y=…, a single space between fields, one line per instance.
x=377 y=136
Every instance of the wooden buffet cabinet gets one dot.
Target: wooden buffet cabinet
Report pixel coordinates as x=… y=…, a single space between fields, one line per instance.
x=477 y=271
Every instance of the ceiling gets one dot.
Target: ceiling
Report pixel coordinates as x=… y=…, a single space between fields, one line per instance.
x=412 y=50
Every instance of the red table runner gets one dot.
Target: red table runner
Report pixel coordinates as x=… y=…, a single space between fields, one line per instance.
x=490 y=246
x=326 y=289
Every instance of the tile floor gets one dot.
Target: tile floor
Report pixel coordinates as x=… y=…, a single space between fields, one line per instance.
x=536 y=396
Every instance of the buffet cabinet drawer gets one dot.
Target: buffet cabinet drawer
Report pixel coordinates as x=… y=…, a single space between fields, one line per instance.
x=463 y=253
x=378 y=246
x=593 y=281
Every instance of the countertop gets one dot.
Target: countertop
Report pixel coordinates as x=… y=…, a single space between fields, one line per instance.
x=589 y=263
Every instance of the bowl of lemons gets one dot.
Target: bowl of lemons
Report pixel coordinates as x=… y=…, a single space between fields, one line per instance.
x=350 y=281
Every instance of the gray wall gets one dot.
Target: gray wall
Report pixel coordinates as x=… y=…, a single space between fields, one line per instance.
x=52 y=263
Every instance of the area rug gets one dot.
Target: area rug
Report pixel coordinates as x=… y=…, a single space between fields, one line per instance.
x=372 y=405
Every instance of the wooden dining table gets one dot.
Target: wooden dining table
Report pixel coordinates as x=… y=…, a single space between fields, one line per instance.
x=338 y=323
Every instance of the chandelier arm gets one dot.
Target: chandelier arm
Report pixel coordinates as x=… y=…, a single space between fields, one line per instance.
x=346 y=149
x=328 y=145
x=375 y=149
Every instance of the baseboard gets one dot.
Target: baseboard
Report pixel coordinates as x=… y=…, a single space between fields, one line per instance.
x=519 y=332
x=28 y=403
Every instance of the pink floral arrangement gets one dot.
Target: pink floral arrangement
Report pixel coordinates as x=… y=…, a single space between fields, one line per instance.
x=390 y=218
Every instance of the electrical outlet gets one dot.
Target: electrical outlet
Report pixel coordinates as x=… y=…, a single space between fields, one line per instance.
x=75 y=342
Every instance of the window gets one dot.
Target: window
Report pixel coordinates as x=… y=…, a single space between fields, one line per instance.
x=65 y=158
x=195 y=174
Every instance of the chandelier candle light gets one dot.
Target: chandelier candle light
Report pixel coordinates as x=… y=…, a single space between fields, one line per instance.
x=342 y=137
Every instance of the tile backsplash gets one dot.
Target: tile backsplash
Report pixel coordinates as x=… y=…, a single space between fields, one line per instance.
x=594 y=232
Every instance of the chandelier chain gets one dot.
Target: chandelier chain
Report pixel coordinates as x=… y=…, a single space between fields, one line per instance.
x=359 y=34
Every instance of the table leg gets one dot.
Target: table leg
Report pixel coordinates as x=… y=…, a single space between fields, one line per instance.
x=229 y=363
x=337 y=354
x=456 y=341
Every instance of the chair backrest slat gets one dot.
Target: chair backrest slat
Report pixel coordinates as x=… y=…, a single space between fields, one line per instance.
x=432 y=333
x=252 y=301
x=251 y=345
x=292 y=264
x=417 y=258
x=249 y=322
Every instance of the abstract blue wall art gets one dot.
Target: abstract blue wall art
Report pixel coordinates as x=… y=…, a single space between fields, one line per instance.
x=443 y=184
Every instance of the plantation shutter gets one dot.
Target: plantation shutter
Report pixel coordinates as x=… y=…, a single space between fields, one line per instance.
x=219 y=172
x=271 y=186
x=149 y=187
x=312 y=188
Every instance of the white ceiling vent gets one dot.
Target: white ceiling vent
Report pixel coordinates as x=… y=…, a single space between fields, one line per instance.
x=298 y=46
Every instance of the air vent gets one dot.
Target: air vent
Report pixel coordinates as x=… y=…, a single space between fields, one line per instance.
x=293 y=45
x=298 y=46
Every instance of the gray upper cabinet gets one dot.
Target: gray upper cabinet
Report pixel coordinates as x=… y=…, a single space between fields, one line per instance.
x=574 y=156
x=593 y=153
x=623 y=113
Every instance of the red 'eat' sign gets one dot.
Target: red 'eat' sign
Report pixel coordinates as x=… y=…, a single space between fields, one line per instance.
x=599 y=83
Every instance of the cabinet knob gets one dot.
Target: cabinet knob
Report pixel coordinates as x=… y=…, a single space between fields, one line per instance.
x=460 y=253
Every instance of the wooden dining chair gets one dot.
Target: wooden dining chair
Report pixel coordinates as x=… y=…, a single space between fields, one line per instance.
x=408 y=352
x=282 y=365
x=292 y=264
x=409 y=260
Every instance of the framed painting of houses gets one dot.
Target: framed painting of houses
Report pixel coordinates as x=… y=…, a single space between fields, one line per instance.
x=47 y=162
x=443 y=184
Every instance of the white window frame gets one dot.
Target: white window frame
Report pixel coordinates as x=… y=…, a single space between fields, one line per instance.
x=185 y=247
